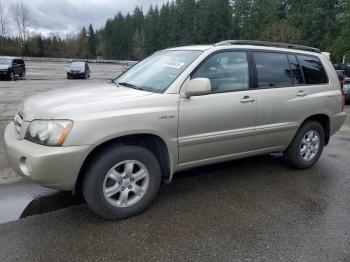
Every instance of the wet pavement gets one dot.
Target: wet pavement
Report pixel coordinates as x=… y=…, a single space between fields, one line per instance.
x=24 y=199
x=255 y=209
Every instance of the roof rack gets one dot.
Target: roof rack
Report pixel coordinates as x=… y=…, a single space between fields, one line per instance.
x=270 y=44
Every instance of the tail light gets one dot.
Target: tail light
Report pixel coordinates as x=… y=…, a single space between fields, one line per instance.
x=342 y=101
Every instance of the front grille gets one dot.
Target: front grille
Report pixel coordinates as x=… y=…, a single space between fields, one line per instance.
x=18 y=122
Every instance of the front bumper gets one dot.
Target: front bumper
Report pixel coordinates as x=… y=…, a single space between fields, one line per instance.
x=76 y=75
x=4 y=74
x=55 y=167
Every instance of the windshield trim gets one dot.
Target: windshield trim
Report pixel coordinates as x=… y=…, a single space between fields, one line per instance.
x=153 y=90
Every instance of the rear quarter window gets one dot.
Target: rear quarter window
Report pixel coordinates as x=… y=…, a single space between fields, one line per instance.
x=313 y=70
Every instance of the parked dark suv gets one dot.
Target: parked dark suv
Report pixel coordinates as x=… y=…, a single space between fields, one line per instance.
x=12 y=67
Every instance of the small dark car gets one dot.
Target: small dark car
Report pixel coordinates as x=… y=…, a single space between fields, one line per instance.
x=78 y=70
x=12 y=67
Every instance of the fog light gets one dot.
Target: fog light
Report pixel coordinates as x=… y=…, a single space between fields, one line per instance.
x=25 y=166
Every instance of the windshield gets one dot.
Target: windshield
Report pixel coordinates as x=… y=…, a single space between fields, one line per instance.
x=157 y=72
x=5 y=61
x=77 y=65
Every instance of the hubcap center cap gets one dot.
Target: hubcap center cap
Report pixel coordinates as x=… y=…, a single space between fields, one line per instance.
x=126 y=182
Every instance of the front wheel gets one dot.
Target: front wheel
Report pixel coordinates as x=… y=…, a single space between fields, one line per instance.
x=122 y=181
x=12 y=76
x=307 y=146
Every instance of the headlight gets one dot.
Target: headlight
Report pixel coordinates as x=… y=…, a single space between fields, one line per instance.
x=49 y=132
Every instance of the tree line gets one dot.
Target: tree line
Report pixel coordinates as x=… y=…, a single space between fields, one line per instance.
x=319 y=23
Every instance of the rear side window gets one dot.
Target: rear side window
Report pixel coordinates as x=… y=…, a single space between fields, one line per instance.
x=295 y=70
x=313 y=70
x=273 y=70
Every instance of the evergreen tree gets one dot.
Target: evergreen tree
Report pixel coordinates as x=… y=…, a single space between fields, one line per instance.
x=138 y=51
x=82 y=47
x=40 y=46
x=320 y=23
x=91 y=42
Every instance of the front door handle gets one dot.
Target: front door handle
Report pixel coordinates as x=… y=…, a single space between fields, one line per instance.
x=247 y=99
x=302 y=93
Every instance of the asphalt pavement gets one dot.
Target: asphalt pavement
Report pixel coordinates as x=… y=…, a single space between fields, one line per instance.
x=255 y=209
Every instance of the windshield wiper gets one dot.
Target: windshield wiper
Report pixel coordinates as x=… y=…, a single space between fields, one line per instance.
x=129 y=85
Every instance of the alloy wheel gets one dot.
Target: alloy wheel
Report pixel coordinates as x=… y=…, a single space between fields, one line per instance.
x=126 y=183
x=310 y=145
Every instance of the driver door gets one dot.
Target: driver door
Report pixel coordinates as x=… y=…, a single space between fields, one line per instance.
x=220 y=125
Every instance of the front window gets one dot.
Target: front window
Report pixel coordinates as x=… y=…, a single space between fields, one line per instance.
x=157 y=72
x=5 y=61
x=227 y=72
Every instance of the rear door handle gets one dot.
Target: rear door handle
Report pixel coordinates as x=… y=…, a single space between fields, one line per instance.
x=302 y=93
x=247 y=99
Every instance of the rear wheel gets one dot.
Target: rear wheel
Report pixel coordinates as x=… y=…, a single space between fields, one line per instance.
x=122 y=181
x=307 y=146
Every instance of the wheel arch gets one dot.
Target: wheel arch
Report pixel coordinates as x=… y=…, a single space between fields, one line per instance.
x=324 y=120
x=151 y=142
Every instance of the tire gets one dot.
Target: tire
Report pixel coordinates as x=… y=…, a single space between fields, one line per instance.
x=347 y=99
x=12 y=76
x=294 y=156
x=69 y=77
x=96 y=180
x=22 y=74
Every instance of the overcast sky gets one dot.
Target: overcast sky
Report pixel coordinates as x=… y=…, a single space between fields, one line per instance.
x=67 y=16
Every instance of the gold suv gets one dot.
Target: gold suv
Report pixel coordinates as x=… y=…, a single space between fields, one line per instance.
x=179 y=108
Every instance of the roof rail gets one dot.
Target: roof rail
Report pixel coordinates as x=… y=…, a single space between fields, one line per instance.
x=270 y=44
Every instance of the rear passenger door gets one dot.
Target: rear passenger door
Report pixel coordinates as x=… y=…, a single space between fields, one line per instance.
x=285 y=85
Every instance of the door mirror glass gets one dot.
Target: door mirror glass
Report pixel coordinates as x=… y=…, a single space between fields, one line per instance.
x=196 y=87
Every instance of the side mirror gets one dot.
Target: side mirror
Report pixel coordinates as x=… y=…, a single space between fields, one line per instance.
x=196 y=87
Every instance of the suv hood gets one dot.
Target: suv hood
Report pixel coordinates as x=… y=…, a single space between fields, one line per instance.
x=69 y=103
